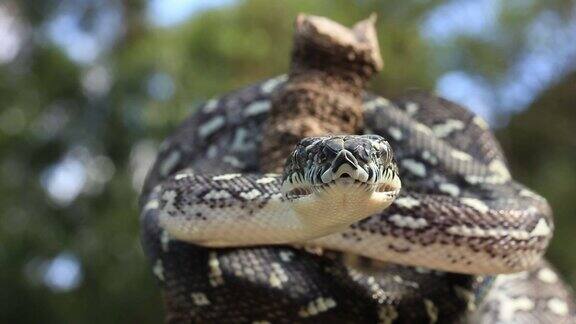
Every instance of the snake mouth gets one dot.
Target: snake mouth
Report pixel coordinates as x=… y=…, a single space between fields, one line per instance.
x=390 y=187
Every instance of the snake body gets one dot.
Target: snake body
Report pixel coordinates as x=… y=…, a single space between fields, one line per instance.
x=459 y=211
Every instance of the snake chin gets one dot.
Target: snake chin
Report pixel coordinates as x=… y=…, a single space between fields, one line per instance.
x=331 y=207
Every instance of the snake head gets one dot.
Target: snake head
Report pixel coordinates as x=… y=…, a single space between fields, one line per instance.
x=318 y=164
x=334 y=181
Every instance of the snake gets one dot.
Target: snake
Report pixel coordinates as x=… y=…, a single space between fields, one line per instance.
x=458 y=211
x=415 y=220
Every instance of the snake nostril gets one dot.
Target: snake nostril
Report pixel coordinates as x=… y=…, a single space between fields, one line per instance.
x=344 y=175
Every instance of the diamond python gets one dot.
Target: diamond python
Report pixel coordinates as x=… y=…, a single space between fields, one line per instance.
x=458 y=211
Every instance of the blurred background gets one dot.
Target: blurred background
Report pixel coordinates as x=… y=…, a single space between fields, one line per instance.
x=89 y=88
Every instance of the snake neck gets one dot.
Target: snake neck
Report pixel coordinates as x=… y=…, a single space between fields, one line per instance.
x=271 y=218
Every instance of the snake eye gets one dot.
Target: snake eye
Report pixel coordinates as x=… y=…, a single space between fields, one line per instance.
x=384 y=152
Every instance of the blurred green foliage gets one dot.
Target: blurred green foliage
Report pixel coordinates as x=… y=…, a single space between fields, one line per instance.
x=76 y=137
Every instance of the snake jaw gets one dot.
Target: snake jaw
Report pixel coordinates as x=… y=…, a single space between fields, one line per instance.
x=386 y=184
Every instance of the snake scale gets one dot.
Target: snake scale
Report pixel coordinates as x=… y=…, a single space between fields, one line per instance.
x=458 y=211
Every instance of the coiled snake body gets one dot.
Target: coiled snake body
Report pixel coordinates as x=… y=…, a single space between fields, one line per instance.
x=439 y=148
